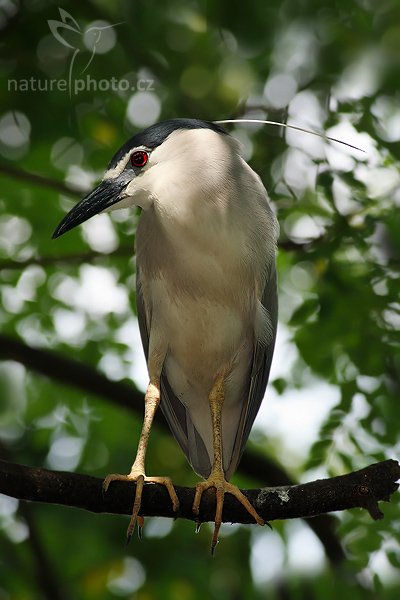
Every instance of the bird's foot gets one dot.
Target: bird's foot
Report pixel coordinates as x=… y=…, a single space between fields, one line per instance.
x=218 y=481
x=140 y=479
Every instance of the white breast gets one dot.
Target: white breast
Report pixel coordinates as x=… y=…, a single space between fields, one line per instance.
x=203 y=249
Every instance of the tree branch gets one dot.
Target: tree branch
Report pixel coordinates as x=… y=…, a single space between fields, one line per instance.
x=72 y=372
x=61 y=259
x=36 y=179
x=124 y=251
x=43 y=568
x=361 y=489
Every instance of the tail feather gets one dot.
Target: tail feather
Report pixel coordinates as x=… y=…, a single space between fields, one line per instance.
x=184 y=431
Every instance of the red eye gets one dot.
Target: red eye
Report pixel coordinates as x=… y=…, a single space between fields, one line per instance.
x=139 y=158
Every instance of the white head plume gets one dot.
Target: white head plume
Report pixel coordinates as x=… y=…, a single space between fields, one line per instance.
x=295 y=127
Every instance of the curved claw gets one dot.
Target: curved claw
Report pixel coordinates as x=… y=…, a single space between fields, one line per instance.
x=140 y=523
x=217 y=480
x=136 y=506
x=140 y=479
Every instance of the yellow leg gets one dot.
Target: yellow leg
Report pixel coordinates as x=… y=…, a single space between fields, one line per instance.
x=137 y=473
x=217 y=477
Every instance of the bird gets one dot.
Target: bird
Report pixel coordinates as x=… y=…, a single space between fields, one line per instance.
x=206 y=294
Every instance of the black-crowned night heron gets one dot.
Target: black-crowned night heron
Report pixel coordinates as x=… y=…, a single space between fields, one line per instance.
x=206 y=293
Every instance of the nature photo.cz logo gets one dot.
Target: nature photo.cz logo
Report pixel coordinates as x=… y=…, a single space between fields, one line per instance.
x=97 y=38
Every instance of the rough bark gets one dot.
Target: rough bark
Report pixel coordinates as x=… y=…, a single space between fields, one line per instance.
x=363 y=489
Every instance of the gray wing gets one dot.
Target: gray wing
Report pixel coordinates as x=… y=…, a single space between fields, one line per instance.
x=261 y=365
x=174 y=411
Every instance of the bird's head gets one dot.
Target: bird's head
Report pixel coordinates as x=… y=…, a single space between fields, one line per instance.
x=167 y=154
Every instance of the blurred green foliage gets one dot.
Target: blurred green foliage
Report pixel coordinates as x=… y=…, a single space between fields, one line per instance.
x=332 y=66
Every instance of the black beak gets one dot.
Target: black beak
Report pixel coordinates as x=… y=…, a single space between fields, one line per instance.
x=104 y=195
